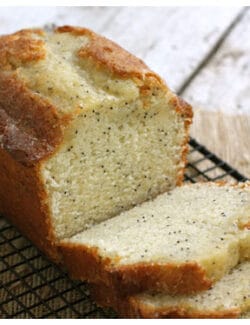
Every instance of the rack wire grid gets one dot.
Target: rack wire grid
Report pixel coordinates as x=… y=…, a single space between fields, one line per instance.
x=32 y=287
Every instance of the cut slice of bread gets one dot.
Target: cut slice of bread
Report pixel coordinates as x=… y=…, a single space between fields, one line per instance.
x=181 y=242
x=87 y=130
x=228 y=298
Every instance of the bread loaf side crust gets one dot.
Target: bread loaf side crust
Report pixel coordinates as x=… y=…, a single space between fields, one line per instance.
x=23 y=201
x=30 y=126
x=129 y=307
x=30 y=129
x=143 y=311
x=185 y=110
x=20 y=48
x=84 y=263
x=247 y=226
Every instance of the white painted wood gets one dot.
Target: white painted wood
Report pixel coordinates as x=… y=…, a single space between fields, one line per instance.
x=224 y=84
x=14 y=18
x=172 y=40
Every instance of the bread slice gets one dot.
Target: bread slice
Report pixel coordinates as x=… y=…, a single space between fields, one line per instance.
x=181 y=242
x=87 y=131
x=228 y=298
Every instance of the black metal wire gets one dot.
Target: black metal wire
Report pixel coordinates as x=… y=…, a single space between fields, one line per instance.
x=217 y=163
x=18 y=305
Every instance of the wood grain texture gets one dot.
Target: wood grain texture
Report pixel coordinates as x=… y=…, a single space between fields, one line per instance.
x=224 y=83
x=15 y=18
x=225 y=135
x=222 y=88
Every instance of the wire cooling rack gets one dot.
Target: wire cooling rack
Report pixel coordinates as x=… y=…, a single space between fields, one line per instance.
x=33 y=287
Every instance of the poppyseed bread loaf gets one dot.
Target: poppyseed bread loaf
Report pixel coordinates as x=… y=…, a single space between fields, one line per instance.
x=179 y=243
x=228 y=298
x=87 y=131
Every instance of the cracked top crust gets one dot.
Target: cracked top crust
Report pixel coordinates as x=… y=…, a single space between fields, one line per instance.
x=20 y=48
x=33 y=111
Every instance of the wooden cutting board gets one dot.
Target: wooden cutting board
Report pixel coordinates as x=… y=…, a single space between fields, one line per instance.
x=228 y=136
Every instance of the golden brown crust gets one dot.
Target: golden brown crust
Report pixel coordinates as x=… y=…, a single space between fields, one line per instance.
x=30 y=127
x=20 y=48
x=85 y=263
x=113 y=57
x=185 y=110
x=182 y=107
x=23 y=201
x=106 y=54
x=247 y=226
x=180 y=312
x=74 y=30
x=133 y=307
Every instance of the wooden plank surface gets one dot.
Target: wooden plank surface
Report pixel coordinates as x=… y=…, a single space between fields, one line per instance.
x=221 y=95
x=226 y=135
x=14 y=18
x=224 y=83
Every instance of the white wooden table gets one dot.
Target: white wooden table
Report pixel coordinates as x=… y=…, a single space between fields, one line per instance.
x=203 y=54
